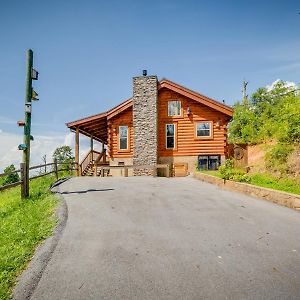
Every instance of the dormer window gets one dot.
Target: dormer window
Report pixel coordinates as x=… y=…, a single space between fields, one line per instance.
x=174 y=108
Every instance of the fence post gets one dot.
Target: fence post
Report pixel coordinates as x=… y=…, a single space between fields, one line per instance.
x=23 y=179
x=55 y=168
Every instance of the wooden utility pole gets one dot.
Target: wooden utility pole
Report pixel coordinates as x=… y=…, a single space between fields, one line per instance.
x=31 y=74
x=244 y=92
x=27 y=127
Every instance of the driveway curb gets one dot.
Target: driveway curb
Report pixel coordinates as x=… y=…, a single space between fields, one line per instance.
x=30 y=277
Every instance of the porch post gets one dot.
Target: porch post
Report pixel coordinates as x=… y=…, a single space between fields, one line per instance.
x=104 y=154
x=92 y=147
x=77 y=150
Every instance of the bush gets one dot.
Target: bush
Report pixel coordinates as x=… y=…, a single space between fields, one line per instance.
x=10 y=178
x=277 y=158
x=228 y=172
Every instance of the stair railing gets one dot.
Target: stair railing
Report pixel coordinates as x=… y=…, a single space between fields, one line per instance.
x=91 y=156
x=97 y=161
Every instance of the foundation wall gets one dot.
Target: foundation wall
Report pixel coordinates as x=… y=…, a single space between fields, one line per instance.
x=119 y=161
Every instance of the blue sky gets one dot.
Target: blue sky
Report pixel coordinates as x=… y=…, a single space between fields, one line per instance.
x=88 y=51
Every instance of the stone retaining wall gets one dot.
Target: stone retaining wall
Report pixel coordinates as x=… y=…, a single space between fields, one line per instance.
x=278 y=197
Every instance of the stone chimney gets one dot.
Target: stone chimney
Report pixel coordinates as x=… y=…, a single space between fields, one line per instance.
x=144 y=124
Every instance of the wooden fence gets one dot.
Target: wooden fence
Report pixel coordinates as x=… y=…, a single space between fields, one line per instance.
x=54 y=169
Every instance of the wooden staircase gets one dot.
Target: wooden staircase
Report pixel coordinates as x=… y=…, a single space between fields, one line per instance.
x=91 y=164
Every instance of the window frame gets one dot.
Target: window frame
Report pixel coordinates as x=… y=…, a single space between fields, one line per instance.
x=119 y=139
x=180 y=110
x=211 y=133
x=175 y=136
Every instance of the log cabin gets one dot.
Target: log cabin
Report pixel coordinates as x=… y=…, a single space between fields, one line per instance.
x=163 y=123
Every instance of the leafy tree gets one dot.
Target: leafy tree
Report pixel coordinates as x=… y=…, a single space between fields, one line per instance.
x=244 y=127
x=12 y=177
x=272 y=114
x=63 y=154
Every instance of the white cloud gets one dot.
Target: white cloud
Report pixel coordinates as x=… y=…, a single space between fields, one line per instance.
x=42 y=145
x=69 y=140
x=288 y=84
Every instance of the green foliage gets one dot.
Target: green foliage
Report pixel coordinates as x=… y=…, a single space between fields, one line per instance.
x=23 y=225
x=277 y=157
x=244 y=125
x=63 y=154
x=12 y=177
x=228 y=172
x=270 y=115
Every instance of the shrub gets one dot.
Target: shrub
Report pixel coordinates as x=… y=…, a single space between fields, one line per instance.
x=228 y=172
x=10 y=178
x=277 y=157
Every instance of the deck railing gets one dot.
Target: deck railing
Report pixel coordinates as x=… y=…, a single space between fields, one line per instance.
x=165 y=167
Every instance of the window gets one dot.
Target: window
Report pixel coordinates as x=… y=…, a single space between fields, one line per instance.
x=123 y=137
x=204 y=129
x=174 y=108
x=170 y=136
x=209 y=162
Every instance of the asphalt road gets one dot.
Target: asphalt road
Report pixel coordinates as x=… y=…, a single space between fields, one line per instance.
x=176 y=238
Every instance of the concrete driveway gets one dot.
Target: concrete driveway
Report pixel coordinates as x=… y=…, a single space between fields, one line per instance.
x=177 y=238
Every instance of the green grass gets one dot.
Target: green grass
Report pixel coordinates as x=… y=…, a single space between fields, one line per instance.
x=23 y=225
x=268 y=181
x=215 y=173
x=282 y=184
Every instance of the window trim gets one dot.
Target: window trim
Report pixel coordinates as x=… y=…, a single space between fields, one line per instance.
x=175 y=136
x=119 y=138
x=177 y=116
x=210 y=136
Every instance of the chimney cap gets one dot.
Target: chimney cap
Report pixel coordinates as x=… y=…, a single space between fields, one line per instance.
x=144 y=72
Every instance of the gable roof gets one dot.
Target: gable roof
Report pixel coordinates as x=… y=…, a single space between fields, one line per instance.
x=90 y=125
x=165 y=83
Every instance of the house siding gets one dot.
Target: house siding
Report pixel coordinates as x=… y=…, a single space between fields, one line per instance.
x=123 y=118
x=186 y=142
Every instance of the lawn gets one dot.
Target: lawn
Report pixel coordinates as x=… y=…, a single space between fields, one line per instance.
x=24 y=224
x=268 y=181
x=282 y=184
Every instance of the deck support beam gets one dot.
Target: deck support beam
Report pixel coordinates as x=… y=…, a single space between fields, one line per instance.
x=77 y=150
x=92 y=147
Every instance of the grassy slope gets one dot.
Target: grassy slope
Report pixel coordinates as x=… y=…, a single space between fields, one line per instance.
x=268 y=181
x=23 y=225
